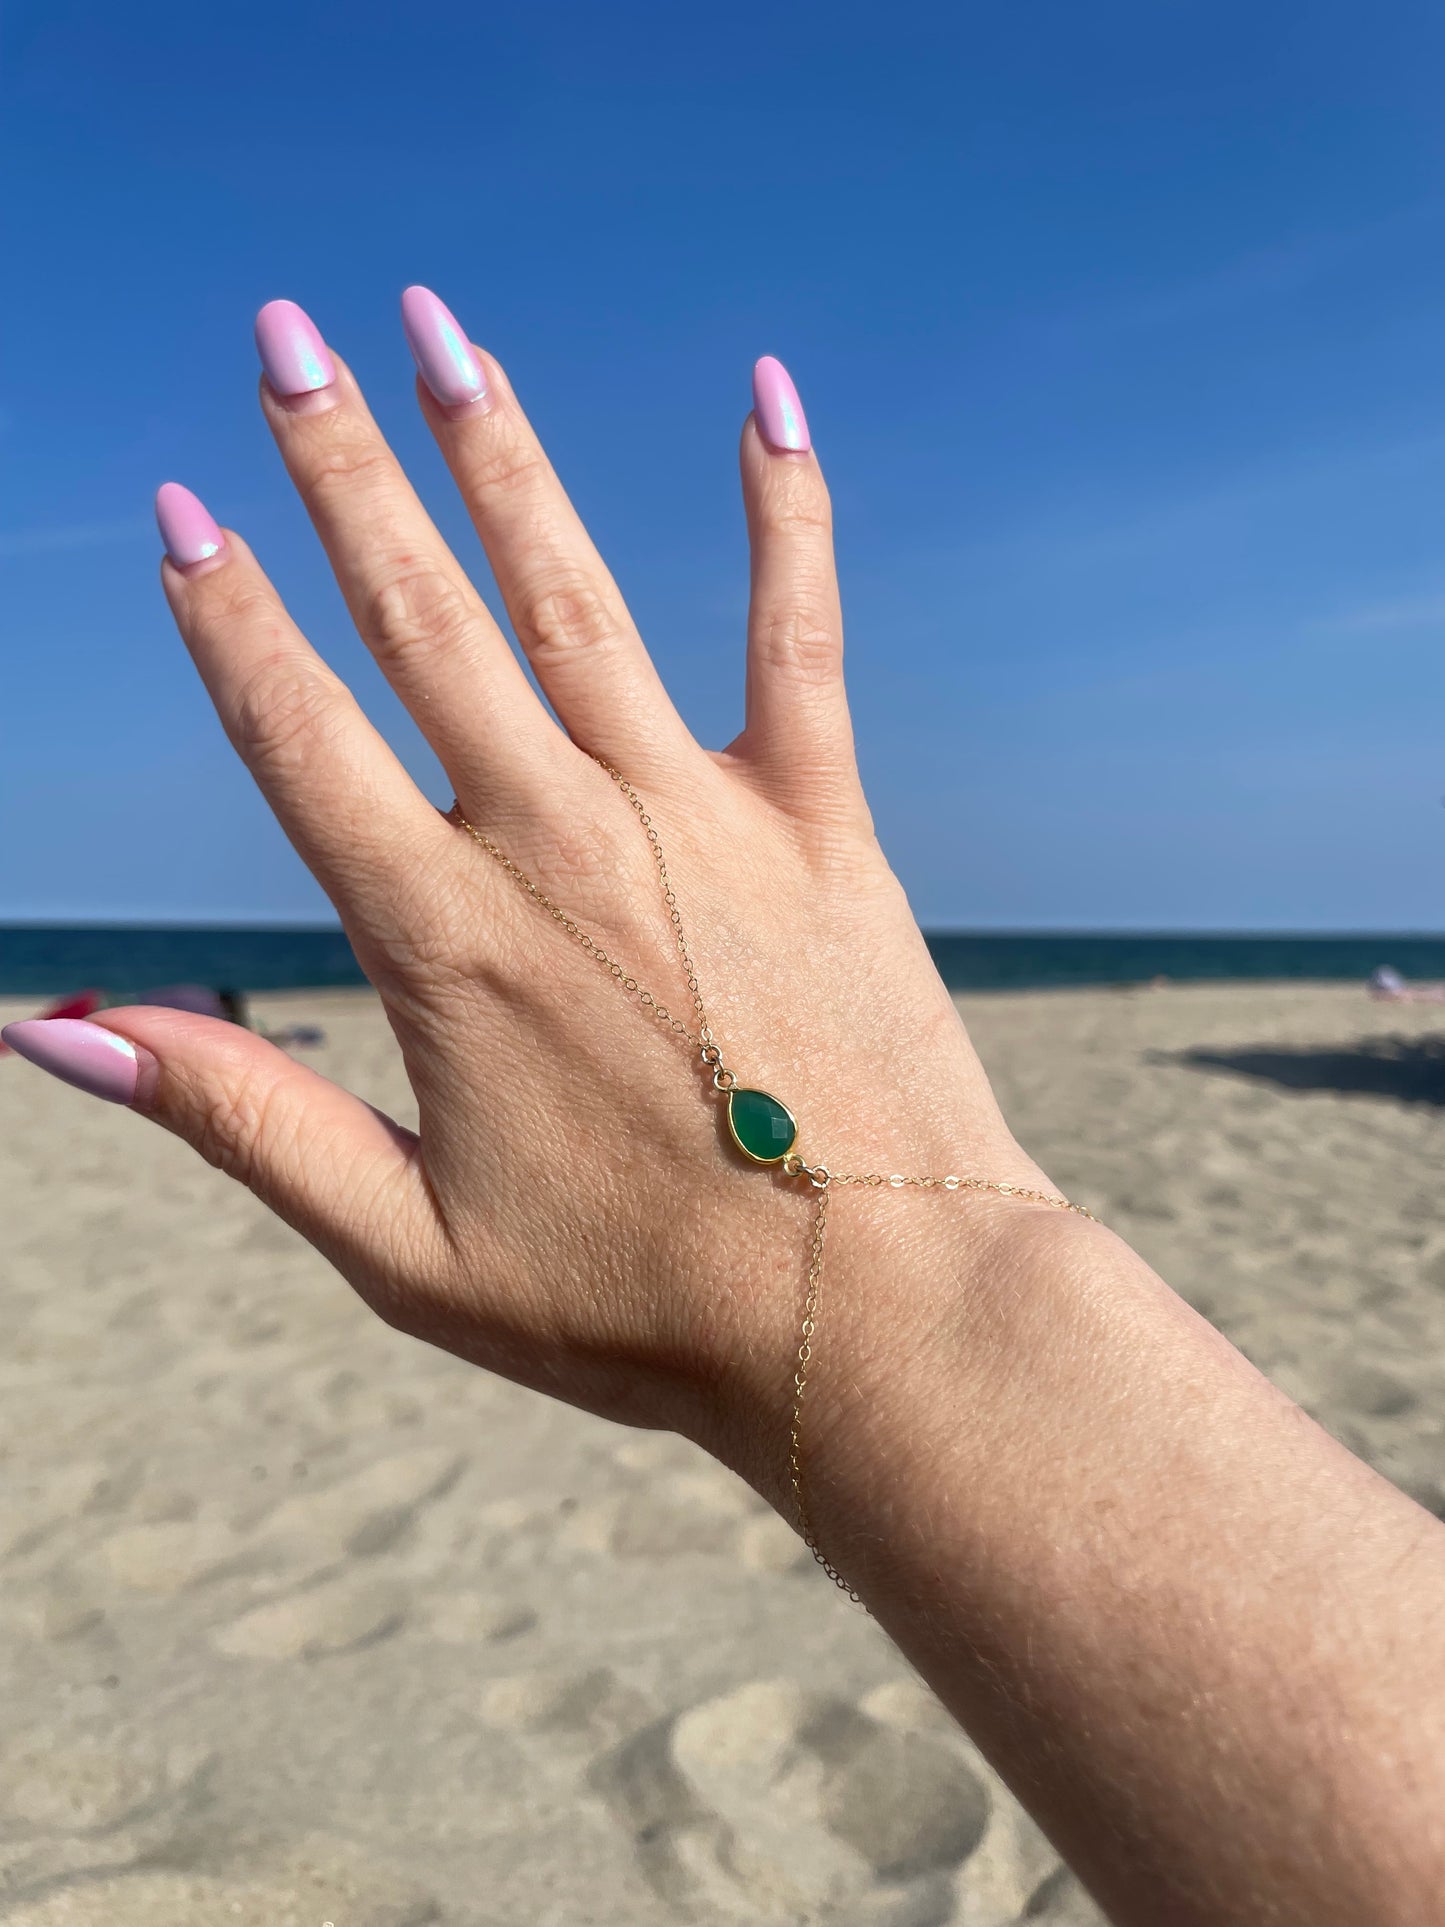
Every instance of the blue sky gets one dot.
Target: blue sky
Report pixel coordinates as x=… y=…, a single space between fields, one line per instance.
x=1121 y=331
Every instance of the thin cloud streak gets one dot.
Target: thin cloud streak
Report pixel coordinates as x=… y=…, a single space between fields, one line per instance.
x=67 y=537
x=1072 y=534
x=1391 y=618
x=1255 y=277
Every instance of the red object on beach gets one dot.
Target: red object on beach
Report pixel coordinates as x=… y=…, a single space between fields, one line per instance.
x=83 y=1004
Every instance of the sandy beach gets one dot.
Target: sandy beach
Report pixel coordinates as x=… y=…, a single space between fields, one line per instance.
x=304 y=1623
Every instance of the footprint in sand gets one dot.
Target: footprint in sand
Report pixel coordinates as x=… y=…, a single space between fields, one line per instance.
x=682 y=1512
x=39 y=1506
x=63 y=1608
x=81 y=1807
x=362 y=1515
x=1013 y=1874
x=172 y=1555
x=339 y=1617
x=307 y=1535
x=82 y=1788
x=472 y=1619
x=1363 y=1387
x=793 y=1805
x=580 y=1706
x=322 y=1884
x=773 y=1803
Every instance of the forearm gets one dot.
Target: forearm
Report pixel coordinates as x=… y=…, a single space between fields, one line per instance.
x=1204 y=1643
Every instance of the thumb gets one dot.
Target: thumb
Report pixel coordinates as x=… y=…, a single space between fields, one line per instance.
x=344 y=1175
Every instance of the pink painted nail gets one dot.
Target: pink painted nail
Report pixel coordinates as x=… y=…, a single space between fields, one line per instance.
x=291 y=349
x=78 y=1053
x=781 y=421
x=187 y=530
x=446 y=359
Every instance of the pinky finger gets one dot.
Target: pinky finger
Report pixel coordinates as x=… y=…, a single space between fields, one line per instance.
x=345 y=1176
x=798 y=736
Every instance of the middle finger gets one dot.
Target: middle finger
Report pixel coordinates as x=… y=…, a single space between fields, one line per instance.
x=565 y=607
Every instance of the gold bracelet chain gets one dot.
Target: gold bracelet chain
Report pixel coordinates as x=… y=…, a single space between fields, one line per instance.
x=762 y=1128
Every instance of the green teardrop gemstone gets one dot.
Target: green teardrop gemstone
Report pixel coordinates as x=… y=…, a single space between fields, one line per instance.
x=762 y=1128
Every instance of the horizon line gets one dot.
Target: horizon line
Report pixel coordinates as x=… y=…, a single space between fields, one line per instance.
x=1298 y=931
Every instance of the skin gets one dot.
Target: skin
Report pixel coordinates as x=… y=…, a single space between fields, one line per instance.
x=1204 y=1644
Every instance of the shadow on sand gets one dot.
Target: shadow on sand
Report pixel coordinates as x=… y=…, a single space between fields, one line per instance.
x=1411 y=1069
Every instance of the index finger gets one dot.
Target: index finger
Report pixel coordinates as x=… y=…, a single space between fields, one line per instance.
x=358 y=822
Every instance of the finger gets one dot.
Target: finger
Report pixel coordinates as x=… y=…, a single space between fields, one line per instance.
x=359 y=823
x=347 y=1178
x=798 y=735
x=411 y=600
x=567 y=611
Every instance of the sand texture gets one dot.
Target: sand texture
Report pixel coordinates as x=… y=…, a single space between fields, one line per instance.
x=302 y=1622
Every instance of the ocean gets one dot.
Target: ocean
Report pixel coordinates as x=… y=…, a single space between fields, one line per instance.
x=124 y=961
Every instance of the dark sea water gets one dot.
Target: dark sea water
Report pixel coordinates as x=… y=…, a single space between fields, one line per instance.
x=46 y=961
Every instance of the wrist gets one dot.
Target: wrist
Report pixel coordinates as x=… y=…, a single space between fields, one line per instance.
x=927 y=1297
x=934 y=1336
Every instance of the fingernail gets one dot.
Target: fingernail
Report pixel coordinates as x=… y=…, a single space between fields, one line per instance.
x=189 y=533
x=78 y=1053
x=446 y=359
x=781 y=421
x=291 y=349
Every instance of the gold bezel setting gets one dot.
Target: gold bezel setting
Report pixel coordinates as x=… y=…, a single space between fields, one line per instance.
x=741 y=1090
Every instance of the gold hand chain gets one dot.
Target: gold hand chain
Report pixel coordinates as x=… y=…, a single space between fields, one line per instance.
x=762 y=1128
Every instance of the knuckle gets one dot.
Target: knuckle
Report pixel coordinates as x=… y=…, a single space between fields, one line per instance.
x=510 y=467
x=800 y=643
x=798 y=521
x=340 y=467
x=233 y=1129
x=426 y=952
x=279 y=714
x=244 y=606
x=557 y=620
x=431 y=944
x=415 y=1291
x=580 y=854
x=838 y=844
x=797 y=506
x=417 y=608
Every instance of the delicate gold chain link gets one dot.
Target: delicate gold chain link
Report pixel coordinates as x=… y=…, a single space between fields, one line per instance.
x=703 y=1037
x=897 y=1181
x=801 y=1508
x=818 y=1175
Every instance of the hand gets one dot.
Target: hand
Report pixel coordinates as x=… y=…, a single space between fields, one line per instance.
x=1093 y=1526
x=572 y=1212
